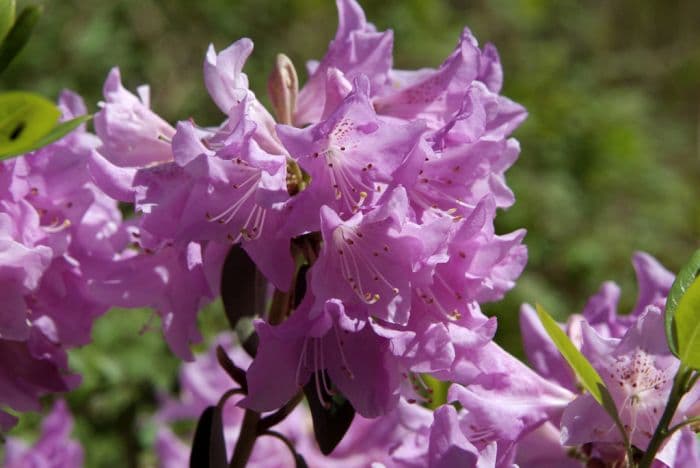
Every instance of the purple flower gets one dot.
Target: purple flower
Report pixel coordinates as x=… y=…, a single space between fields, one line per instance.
x=358 y=361
x=367 y=440
x=57 y=229
x=631 y=355
x=53 y=449
x=132 y=135
x=638 y=369
x=357 y=49
x=350 y=157
x=174 y=282
x=368 y=261
x=542 y=447
x=228 y=87
x=503 y=396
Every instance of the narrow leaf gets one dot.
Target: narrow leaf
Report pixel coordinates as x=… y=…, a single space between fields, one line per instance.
x=18 y=35
x=332 y=419
x=587 y=375
x=242 y=286
x=208 y=447
x=24 y=119
x=7 y=17
x=55 y=134
x=683 y=281
x=687 y=325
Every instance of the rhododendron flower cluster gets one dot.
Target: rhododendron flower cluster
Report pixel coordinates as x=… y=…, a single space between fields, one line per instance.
x=364 y=202
x=408 y=436
x=58 y=232
x=388 y=195
x=633 y=358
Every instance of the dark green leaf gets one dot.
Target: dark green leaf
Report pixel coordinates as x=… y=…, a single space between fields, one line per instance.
x=300 y=285
x=687 y=325
x=299 y=461
x=245 y=331
x=7 y=17
x=18 y=36
x=242 y=286
x=332 y=420
x=55 y=134
x=25 y=118
x=208 y=447
x=587 y=375
x=683 y=281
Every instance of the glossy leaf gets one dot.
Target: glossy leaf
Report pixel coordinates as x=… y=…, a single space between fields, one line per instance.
x=7 y=16
x=587 y=375
x=683 y=281
x=687 y=325
x=331 y=421
x=208 y=447
x=242 y=287
x=25 y=118
x=19 y=34
x=55 y=134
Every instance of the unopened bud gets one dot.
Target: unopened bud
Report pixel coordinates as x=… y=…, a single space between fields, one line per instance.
x=283 y=87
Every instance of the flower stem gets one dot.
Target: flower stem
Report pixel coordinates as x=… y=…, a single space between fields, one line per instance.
x=250 y=429
x=246 y=439
x=679 y=388
x=683 y=423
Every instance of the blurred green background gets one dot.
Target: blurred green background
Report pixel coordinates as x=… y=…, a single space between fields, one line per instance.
x=609 y=161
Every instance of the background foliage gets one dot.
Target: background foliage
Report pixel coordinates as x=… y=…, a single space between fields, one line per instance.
x=609 y=162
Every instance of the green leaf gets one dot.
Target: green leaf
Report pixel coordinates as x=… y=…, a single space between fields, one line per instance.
x=683 y=281
x=56 y=133
x=587 y=375
x=7 y=16
x=18 y=35
x=331 y=414
x=25 y=118
x=242 y=286
x=687 y=325
x=208 y=446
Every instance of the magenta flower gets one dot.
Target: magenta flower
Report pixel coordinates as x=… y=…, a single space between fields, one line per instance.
x=368 y=261
x=638 y=370
x=350 y=157
x=57 y=229
x=132 y=135
x=357 y=49
x=389 y=195
x=358 y=361
x=53 y=449
x=631 y=355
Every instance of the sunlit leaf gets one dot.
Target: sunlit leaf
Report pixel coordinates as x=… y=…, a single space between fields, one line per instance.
x=687 y=325
x=587 y=375
x=55 y=134
x=25 y=118
x=18 y=35
x=7 y=16
x=683 y=281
